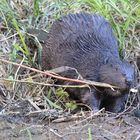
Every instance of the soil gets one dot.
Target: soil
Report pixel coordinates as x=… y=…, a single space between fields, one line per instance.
x=22 y=124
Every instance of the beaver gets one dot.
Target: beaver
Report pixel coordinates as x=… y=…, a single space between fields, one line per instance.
x=87 y=43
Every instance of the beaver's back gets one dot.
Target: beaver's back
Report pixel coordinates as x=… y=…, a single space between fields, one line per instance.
x=80 y=38
x=82 y=25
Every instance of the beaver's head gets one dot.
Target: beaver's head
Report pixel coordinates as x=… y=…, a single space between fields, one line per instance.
x=121 y=75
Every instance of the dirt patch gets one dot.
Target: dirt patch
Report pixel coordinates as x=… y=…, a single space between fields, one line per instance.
x=100 y=127
x=21 y=120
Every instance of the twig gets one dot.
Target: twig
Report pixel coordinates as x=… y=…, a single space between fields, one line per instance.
x=48 y=73
x=6 y=38
x=53 y=131
x=44 y=84
x=34 y=105
x=15 y=77
x=75 y=117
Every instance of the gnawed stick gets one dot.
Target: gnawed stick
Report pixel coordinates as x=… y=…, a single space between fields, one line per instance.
x=52 y=74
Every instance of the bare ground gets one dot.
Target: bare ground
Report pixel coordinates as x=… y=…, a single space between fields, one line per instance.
x=102 y=126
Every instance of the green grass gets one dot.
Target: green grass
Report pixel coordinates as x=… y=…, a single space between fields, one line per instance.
x=15 y=18
x=29 y=134
x=124 y=15
x=89 y=134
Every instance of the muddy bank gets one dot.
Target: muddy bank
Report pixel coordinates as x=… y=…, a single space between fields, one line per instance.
x=79 y=126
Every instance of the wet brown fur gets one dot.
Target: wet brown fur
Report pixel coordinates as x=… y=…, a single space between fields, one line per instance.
x=86 y=42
